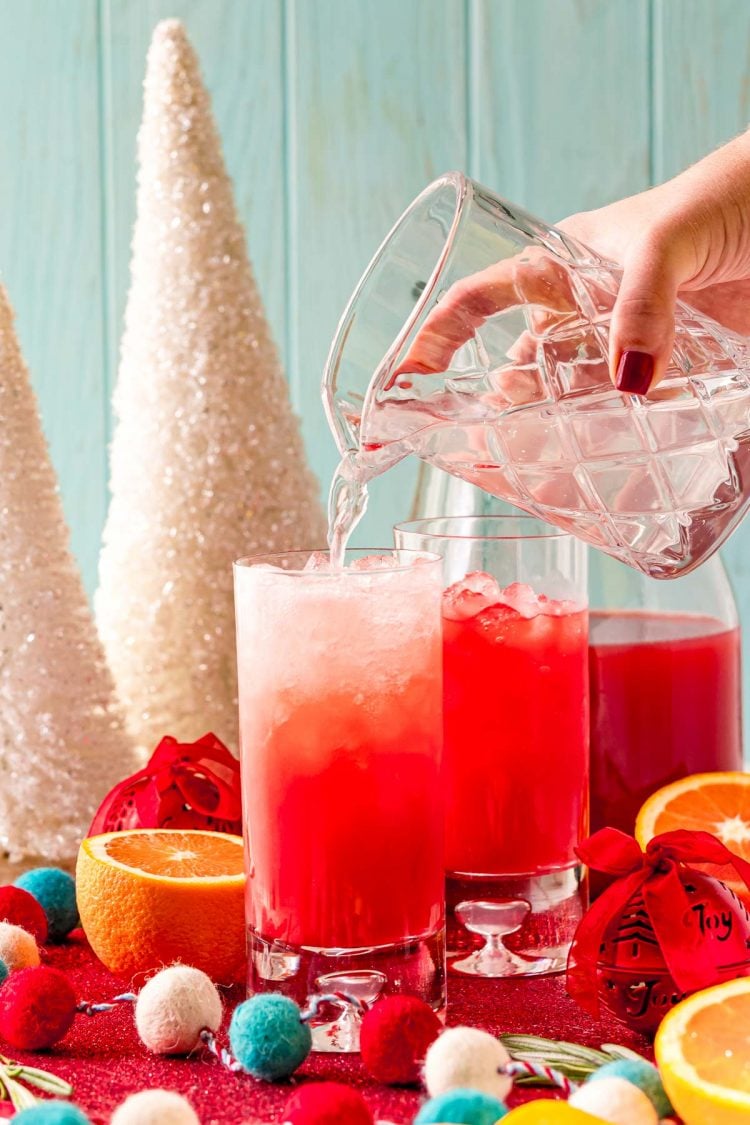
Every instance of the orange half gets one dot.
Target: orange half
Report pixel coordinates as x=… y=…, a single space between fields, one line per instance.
x=718 y=803
x=170 y=854
x=702 y=1047
x=152 y=897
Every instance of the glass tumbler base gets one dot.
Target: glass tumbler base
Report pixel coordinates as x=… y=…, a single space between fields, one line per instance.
x=353 y=979
x=513 y=925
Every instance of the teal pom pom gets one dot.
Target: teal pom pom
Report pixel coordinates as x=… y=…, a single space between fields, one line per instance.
x=55 y=891
x=642 y=1074
x=468 y=1107
x=3 y=970
x=52 y=1113
x=267 y=1036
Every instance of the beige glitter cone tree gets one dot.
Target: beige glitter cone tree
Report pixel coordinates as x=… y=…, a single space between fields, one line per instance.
x=62 y=742
x=207 y=461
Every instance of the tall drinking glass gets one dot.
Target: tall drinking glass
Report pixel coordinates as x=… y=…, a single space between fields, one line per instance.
x=515 y=667
x=340 y=692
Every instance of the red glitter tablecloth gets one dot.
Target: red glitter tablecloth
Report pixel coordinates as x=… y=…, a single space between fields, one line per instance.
x=105 y=1061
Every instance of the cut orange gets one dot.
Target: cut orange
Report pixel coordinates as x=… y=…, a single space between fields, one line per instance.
x=702 y=1048
x=718 y=803
x=547 y=1112
x=151 y=897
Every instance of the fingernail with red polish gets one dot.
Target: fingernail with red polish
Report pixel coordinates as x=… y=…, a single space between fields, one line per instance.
x=634 y=372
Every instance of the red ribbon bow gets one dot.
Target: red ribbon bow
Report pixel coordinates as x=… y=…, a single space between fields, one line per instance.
x=655 y=873
x=203 y=776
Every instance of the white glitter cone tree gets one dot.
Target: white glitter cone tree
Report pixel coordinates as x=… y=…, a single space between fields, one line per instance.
x=62 y=742
x=207 y=460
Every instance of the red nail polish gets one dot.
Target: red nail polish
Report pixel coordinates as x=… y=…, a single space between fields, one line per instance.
x=635 y=372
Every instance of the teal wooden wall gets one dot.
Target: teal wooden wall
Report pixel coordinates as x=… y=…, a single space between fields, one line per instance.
x=334 y=113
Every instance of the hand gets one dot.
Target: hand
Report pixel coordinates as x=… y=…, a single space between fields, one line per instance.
x=689 y=237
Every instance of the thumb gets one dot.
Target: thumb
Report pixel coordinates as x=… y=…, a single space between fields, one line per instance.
x=642 y=329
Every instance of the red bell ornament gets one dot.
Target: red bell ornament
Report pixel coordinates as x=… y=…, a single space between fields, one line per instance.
x=662 y=930
x=187 y=785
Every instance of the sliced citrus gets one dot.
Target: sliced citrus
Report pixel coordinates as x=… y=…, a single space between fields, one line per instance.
x=151 y=897
x=548 y=1112
x=718 y=803
x=702 y=1048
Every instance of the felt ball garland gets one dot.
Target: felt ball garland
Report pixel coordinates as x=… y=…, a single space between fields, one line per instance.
x=55 y=891
x=268 y=1037
x=642 y=1074
x=615 y=1100
x=37 y=1007
x=470 y=1107
x=394 y=1038
x=20 y=908
x=327 y=1103
x=18 y=950
x=468 y=1072
x=155 y=1107
x=467 y=1057
x=52 y=1113
x=174 y=1007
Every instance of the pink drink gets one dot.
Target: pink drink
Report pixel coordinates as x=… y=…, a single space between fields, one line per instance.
x=341 y=733
x=516 y=746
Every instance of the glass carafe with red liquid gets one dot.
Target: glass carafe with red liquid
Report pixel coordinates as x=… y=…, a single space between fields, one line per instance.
x=665 y=683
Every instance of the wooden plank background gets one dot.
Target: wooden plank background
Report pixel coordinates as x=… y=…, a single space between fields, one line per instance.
x=334 y=113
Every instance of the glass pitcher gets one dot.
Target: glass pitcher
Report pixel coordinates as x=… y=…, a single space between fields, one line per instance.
x=517 y=399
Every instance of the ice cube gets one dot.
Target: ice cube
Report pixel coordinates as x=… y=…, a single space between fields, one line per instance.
x=468 y=597
x=557 y=607
x=520 y=597
x=373 y=562
x=317 y=562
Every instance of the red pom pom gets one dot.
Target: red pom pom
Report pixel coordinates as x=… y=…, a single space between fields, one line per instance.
x=37 y=1007
x=394 y=1038
x=327 y=1103
x=21 y=909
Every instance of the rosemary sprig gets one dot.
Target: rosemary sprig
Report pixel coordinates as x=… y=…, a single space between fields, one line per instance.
x=13 y=1074
x=18 y=1094
x=571 y=1059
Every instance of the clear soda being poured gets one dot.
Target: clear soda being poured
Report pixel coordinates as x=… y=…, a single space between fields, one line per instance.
x=514 y=394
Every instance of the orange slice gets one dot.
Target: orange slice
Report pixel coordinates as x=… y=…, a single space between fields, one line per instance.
x=149 y=898
x=718 y=803
x=702 y=1048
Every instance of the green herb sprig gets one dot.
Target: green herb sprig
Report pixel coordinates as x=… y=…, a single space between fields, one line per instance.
x=571 y=1059
x=14 y=1074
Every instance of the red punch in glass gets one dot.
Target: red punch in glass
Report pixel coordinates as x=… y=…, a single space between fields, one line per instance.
x=515 y=636
x=340 y=692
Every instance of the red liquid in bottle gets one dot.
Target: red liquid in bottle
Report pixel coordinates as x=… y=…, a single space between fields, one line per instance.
x=665 y=703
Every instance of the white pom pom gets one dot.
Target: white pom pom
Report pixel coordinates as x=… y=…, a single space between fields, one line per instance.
x=615 y=1100
x=155 y=1107
x=173 y=1008
x=467 y=1058
x=18 y=949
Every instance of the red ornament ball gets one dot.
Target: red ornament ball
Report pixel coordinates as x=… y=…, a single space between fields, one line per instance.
x=21 y=909
x=327 y=1103
x=37 y=1006
x=394 y=1038
x=634 y=983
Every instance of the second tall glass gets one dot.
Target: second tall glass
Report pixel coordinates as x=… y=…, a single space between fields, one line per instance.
x=515 y=667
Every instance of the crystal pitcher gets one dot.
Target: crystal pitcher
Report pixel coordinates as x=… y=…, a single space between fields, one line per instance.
x=518 y=400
